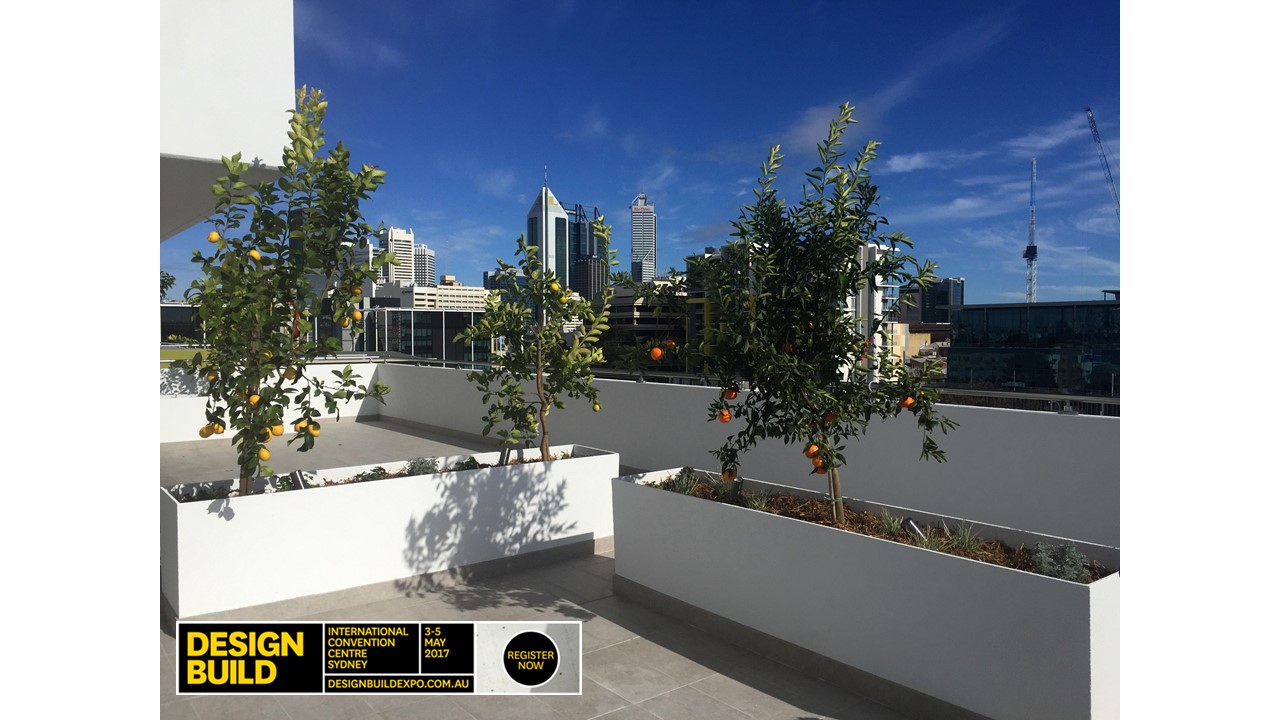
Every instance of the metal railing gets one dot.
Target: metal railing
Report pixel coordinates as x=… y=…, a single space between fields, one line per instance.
x=1013 y=400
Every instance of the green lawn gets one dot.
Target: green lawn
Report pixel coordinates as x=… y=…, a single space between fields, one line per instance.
x=168 y=354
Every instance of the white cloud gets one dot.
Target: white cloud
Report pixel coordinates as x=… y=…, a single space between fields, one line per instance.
x=941 y=160
x=340 y=42
x=1042 y=140
x=497 y=182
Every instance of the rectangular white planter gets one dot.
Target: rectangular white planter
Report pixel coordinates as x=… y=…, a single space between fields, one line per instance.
x=222 y=554
x=999 y=642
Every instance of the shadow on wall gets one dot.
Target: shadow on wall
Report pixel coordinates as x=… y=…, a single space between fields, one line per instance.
x=496 y=512
x=180 y=382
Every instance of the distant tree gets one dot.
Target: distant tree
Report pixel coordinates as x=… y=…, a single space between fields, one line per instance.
x=166 y=283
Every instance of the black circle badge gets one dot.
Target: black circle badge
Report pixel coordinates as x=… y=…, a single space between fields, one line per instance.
x=531 y=658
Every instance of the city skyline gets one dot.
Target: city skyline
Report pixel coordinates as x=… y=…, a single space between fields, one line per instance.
x=961 y=100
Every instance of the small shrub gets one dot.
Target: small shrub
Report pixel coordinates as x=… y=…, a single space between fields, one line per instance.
x=892 y=523
x=933 y=540
x=470 y=464
x=422 y=466
x=758 y=501
x=378 y=473
x=1064 y=562
x=964 y=537
x=682 y=482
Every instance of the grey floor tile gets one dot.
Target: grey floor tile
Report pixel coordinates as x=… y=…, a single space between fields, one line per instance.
x=238 y=707
x=579 y=586
x=750 y=700
x=634 y=682
x=178 y=710
x=631 y=712
x=630 y=615
x=168 y=645
x=422 y=708
x=594 y=702
x=168 y=680
x=507 y=707
x=325 y=707
x=667 y=662
x=795 y=688
x=685 y=703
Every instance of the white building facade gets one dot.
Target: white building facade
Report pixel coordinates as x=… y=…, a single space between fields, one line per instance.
x=399 y=243
x=548 y=228
x=644 y=240
x=424 y=265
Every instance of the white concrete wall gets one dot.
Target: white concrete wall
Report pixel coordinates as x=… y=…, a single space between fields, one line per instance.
x=1004 y=643
x=226 y=78
x=182 y=416
x=226 y=86
x=223 y=554
x=1043 y=472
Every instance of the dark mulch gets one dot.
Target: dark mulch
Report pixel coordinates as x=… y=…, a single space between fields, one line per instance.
x=865 y=523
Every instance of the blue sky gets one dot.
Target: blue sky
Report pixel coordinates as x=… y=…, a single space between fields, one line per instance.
x=464 y=103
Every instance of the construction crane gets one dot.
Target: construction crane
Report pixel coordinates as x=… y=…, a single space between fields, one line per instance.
x=1030 y=253
x=1102 y=157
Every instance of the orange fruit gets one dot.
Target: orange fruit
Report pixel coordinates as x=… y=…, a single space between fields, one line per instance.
x=670 y=344
x=811 y=451
x=264 y=454
x=214 y=236
x=357 y=290
x=656 y=353
x=725 y=416
x=218 y=428
x=730 y=394
x=212 y=376
x=277 y=430
x=357 y=316
x=555 y=288
x=254 y=399
x=290 y=373
x=907 y=402
x=829 y=418
x=314 y=429
x=300 y=425
x=821 y=470
x=818 y=462
x=788 y=347
x=729 y=474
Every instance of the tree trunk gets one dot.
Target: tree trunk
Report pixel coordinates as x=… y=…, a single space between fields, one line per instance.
x=544 y=408
x=837 y=507
x=246 y=485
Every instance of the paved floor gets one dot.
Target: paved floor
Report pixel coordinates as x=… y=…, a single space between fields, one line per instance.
x=637 y=664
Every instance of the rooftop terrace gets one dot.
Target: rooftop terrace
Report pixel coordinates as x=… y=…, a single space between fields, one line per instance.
x=637 y=663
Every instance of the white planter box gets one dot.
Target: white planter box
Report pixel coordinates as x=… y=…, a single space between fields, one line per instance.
x=222 y=554
x=999 y=642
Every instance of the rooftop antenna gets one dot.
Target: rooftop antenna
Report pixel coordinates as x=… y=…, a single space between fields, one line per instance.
x=544 y=174
x=1030 y=253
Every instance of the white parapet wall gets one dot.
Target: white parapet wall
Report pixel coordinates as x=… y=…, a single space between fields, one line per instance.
x=182 y=415
x=1043 y=472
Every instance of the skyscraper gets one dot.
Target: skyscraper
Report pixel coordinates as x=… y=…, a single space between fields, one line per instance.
x=644 y=240
x=424 y=266
x=549 y=230
x=399 y=243
x=582 y=244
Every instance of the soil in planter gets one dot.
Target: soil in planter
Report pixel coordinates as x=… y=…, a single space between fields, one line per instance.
x=210 y=491
x=951 y=540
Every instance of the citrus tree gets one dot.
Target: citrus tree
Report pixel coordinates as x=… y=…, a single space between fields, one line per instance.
x=282 y=254
x=792 y=359
x=540 y=363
